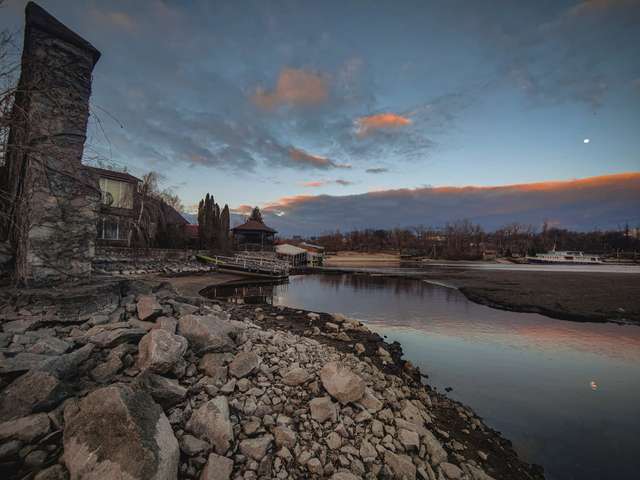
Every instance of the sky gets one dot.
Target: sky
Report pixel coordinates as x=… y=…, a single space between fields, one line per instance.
x=318 y=111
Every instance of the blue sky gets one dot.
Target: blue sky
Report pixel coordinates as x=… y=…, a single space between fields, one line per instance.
x=256 y=101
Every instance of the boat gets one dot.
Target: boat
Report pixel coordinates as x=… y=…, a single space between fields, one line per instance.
x=565 y=257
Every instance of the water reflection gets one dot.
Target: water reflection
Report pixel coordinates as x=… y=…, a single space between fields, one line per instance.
x=252 y=293
x=566 y=393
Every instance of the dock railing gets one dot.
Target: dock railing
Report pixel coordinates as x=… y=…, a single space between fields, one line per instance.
x=246 y=262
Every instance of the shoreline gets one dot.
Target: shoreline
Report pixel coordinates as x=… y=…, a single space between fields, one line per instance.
x=501 y=458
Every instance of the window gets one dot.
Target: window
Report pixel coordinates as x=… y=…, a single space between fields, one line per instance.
x=116 y=194
x=111 y=229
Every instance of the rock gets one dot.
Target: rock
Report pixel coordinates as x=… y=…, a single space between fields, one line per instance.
x=451 y=471
x=54 y=472
x=25 y=429
x=284 y=437
x=106 y=336
x=419 y=429
x=169 y=324
x=478 y=474
x=344 y=475
x=359 y=348
x=314 y=466
x=148 y=307
x=209 y=333
x=370 y=402
x=35 y=459
x=333 y=441
x=10 y=448
x=66 y=366
x=341 y=383
x=256 y=448
x=182 y=309
x=118 y=433
x=165 y=391
x=217 y=468
x=409 y=440
x=400 y=465
x=295 y=377
x=32 y=392
x=331 y=326
x=191 y=445
x=243 y=364
x=434 y=448
x=159 y=351
x=368 y=452
x=323 y=409
x=105 y=371
x=50 y=346
x=22 y=362
x=211 y=421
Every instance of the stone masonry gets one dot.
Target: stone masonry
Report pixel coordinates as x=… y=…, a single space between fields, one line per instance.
x=53 y=200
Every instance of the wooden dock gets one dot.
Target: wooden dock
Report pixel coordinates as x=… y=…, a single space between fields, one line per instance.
x=249 y=264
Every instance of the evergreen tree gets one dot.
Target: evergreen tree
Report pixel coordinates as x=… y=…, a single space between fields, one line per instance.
x=256 y=215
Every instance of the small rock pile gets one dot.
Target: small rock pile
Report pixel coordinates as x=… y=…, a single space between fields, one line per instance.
x=159 y=386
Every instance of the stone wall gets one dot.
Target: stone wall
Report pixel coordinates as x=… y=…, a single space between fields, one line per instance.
x=53 y=199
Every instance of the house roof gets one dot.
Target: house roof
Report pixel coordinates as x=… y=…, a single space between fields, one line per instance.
x=192 y=230
x=288 y=249
x=122 y=176
x=253 y=226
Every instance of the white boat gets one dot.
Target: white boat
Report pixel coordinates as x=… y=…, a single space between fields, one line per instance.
x=566 y=256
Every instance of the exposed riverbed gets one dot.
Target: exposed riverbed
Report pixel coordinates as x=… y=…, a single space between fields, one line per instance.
x=565 y=393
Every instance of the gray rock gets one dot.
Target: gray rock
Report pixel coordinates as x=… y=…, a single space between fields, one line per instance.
x=191 y=445
x=284 y=437
x=10 y=449
x=105 y=371
x=22 y=362
x=211 y=421
x=370 y=401
x=167 y=392
x=50 y=346
x=344 y=475
x=295 y=377
x=451 y=471
x=409 y=440
x=159 y=351
x=256 y=448
x=333 y=441
x=32 y=392
x=208 y=333
x=35 y=459
x=400 y=465
x=217 y=468
x=113 y=334
x=118 y=433
x=212 y=364
x=243 y=364
x=25 y=429
x=341 y=383
x=148 y=307
x=323 y=409
x=169 y=324
x=368 y=452
x=54 y=472
x=434 y=448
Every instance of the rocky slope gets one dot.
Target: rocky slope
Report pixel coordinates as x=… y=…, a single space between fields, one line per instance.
x=130 y=380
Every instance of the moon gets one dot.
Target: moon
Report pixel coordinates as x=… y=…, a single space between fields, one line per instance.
x=586 y=140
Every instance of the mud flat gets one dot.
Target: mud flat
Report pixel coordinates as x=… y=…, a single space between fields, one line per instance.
x=580 y=296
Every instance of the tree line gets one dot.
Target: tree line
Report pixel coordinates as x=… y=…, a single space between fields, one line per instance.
x=465 y=240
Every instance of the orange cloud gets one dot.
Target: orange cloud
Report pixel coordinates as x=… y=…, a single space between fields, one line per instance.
x=294 y=87
x=380 y=121
x=317 y=183
x=242 y=209
x=305 y=159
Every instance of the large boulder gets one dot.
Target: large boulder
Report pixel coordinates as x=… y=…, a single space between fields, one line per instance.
x=211 y=422
x=209 y=333
x=113 y=334
x=341 y=383
x=160 y=350
x=323 y=409
x=217 y=468
x=120 y=433
x=400 y=465
x=256 y=448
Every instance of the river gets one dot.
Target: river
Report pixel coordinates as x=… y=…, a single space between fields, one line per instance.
x=566 y=393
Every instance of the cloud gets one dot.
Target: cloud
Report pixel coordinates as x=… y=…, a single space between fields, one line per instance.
x=322 y=183
x=303 y=159
x=377 y=170
x=589 y=7
x=381 y=121
x=597 y=202
x=295 y=87
x=120 y=20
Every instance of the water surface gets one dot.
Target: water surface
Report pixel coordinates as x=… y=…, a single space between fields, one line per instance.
x=566 y=393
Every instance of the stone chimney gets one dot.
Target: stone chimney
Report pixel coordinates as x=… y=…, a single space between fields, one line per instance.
x=53 y=200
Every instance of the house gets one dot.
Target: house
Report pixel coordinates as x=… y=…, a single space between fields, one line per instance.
x=123 y=207
x=119 y=203
x=296 y=257
x=315 y=254
x=253 y=235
